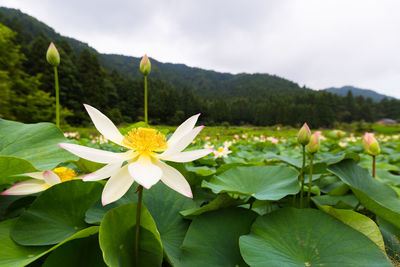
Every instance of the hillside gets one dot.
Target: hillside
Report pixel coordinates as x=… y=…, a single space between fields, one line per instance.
x=342 y=91
x=207 y=83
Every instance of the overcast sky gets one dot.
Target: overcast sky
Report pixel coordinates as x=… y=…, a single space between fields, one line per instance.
x=312 y=42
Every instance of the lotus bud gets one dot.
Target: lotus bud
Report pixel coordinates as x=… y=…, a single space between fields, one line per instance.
x=313 y=145
x=52 y=55
x=303 y=137
x=145 y=65
x=370 y=144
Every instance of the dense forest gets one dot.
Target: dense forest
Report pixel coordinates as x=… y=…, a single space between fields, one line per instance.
x=113 y=84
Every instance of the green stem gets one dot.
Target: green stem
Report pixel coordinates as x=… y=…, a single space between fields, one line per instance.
x=138 y=212
x=57 y=98
x=310 y=180
x=373 y=166
x=356 y=207
x=302 y=177
x=145 y=100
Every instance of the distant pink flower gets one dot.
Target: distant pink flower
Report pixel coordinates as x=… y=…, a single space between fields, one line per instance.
x=321 y=137
x=272 y=140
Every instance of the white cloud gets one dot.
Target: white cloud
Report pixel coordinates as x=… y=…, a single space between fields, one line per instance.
x=316 y=43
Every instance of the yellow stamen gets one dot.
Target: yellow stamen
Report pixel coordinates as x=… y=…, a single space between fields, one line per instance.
x=145 y=140
x=220 y=149
x=65 y=173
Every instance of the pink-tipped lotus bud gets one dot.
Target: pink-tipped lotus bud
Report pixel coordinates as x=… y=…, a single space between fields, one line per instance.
x=370 y=144
x=303 y=137
x=145 y=65
x=52 y=55
x=313 y=146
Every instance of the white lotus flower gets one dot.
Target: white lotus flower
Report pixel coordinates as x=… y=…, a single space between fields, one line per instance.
x=221 y=152
x=144 y=165
x=208 y=146
x=41 y=181
x=227 y=143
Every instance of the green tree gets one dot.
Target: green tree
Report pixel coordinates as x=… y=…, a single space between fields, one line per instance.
x=22 y=100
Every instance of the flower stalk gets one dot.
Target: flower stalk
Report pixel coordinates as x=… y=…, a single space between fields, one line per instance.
x=373 y=166
x=138 y=213
x=302 y=176
x=57 y=97
x=146 y=118
x=310 y=180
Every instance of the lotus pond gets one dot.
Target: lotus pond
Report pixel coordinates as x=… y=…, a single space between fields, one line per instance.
x=246 y=208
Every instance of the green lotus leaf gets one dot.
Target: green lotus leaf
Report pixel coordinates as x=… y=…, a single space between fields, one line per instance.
x=291 y=237
x=117 y=237
x=36 y=143
x=372 y=194
x=212 y=238
x=260 y=182
x=12 y=254
x=56 y=214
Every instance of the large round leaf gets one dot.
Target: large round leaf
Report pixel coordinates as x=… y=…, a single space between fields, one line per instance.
x=56 y=214
x=341 y=202
x=212 y=238
x=221 y=201
x=291 y=237
x=117 y=237
x=289 y=160
x=12 y=254
x=373 y=195
x=359 y=222
x=36 y=143
x=10 y=166
x=164 y=204
x=335 y=158
x=388 y=178
x=260 y=182
x=81 y=252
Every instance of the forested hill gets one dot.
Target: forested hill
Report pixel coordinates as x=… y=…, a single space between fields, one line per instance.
x=208 y=83
x=343 y=91
x=113 y=84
